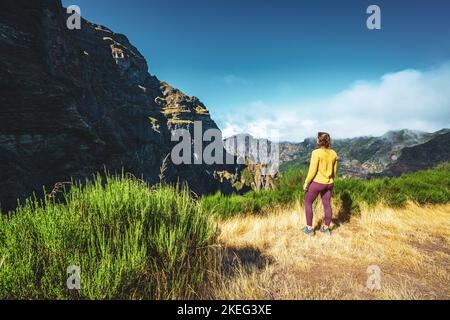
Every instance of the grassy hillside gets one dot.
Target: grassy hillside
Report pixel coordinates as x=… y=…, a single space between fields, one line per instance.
x=430 y=186
x=266 y=257
x=133 y=241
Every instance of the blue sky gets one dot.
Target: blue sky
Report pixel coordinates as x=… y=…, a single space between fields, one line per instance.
x=252 y=61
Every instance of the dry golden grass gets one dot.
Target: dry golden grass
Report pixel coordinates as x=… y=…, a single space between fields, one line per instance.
x=266 y=257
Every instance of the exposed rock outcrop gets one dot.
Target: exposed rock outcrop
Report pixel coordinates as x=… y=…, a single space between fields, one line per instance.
x=75 y=101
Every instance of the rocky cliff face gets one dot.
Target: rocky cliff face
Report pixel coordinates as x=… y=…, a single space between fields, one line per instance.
x=75 y=101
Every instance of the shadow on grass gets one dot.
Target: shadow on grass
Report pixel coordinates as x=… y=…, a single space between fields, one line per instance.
x=247 y=258
x=234 y=263
x=345 y=212
x=343 y=215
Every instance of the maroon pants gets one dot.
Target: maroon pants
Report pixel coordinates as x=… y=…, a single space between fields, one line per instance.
x=325 y=191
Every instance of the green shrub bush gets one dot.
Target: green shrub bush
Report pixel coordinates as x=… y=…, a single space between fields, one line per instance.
x=130 y=241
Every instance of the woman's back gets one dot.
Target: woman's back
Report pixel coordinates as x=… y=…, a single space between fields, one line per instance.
x=320 y=180
x=323 y=166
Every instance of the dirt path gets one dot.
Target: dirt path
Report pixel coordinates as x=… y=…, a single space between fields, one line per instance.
x=268 y=258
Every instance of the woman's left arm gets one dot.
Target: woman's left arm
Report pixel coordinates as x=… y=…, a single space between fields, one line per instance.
x=313 y=168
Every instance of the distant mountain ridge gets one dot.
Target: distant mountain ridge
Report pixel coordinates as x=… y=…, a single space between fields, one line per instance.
x=423 y=156
x=389 y=154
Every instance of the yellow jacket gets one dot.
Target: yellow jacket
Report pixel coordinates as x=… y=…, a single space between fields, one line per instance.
x=323 y=166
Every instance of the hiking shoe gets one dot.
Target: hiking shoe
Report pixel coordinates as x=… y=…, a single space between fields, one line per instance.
x=325 y=231
x=307 y=231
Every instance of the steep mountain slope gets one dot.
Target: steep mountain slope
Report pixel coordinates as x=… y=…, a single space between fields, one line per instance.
x=363 y=156
x=421 y=157
x=74 y=101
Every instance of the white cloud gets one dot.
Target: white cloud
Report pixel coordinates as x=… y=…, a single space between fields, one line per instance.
x=412 y=99
x=232 y=80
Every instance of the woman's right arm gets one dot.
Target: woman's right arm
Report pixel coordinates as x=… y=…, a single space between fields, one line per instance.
x=335 y=168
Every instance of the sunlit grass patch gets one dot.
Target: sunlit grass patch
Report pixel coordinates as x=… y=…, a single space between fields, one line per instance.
x=130 y=241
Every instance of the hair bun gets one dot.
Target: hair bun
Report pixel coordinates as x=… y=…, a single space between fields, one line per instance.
x=324 y=139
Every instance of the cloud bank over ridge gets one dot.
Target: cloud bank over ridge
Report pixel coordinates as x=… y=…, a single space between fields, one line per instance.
x=412 y=99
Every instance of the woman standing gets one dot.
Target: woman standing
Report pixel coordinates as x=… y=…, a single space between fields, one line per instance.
x=320 y=180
